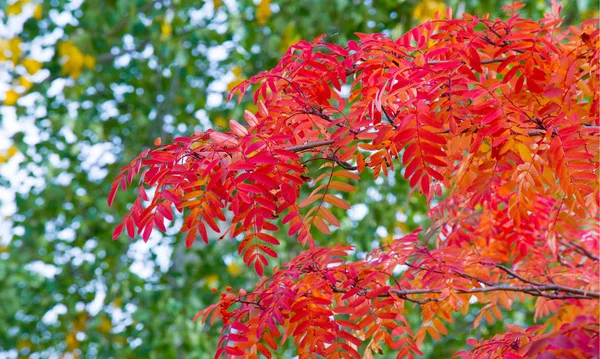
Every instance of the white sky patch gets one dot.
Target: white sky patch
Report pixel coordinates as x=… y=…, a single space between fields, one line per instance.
x=95 y=158
x=401 y=217
x=399 y=269
x=143 y=266
x=381 y=231
x=217 y=53
x=198 y=17
x=14 y=24
x=374 y=194
x=46 y=270
x=96 y=305
x=344 y=91
x=51 y=316
x=358 y=211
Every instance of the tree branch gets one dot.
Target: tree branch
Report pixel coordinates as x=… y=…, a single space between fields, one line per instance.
x=582 y=250
x=515 y=275
x=309 y=145
x=537 y=291
x=483 y=62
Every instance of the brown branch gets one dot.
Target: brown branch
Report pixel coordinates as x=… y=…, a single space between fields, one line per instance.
x=507 y=288
x=391 y=119
x=309 y=145
x=515 y=275
x=537 y=291
x=343 y=164
x=319 y=113
x=582 y=250
x=483 y=62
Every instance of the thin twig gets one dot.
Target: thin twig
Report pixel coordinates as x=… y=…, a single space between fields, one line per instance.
x=309 y=145
x=583 y=250
x=483 y=62
x=532 y=290
x=515 y=275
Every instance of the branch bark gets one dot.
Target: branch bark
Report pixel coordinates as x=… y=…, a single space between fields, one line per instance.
x=534 y=290
x=308 y=146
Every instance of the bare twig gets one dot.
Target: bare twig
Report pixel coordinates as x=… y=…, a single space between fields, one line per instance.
x=515 y=275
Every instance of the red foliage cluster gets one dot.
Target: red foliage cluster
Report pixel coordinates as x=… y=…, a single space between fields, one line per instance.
x=496 y=120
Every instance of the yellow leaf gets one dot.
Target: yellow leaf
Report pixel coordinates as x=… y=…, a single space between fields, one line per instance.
x=32 y=66
x=23 y=81
x=80 y=322
x=72 y=59
x=263 y=11
x=105 y=325
x=484 y=147
x=89 y=61
x=24 y=343
x=211 y=280
x=14 y=47
x=10 y=97
x=72 y=342
x=165 y=30
x=234 y=269
x=234 y=83
x=12 y=150
x=15 y=8
x=65 y=48
x=237 y=71
x=220 y=121
x=288 y=38
x=426 y=9
x=524 y=151
x=239 y=77
x=37 y=12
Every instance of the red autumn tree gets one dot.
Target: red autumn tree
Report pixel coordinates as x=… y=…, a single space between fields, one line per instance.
x=497 y=121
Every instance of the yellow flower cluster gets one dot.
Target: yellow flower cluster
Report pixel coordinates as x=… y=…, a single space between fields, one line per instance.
x=73 y=60
x=239 y=77
x=8 y=154
x=426 y=9
x=10 y=49
x=17 y=7
x=263 y=11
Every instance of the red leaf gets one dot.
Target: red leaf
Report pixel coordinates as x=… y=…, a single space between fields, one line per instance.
x=234 y=351
x=117 y=231
x=113 y=192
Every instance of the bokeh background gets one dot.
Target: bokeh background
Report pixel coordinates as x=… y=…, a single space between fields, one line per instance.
x=85 y=86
